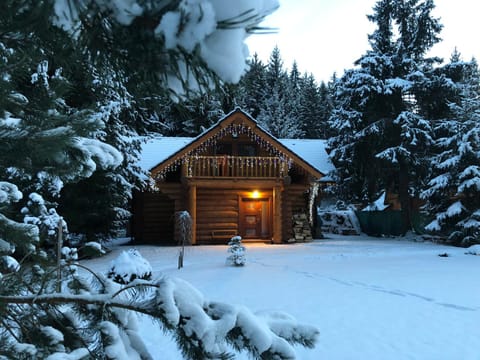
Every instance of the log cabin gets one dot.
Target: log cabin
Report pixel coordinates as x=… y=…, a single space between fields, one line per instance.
x=233 y=179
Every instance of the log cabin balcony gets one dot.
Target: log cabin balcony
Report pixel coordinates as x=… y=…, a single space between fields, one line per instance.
x=227 y=166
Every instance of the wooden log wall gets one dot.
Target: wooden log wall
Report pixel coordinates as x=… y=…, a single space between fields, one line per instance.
x=153 y=224
x=153 y=220
x=176 y=192
x=217 y=210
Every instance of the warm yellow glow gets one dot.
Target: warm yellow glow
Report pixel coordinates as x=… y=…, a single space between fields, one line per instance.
x=255 y=194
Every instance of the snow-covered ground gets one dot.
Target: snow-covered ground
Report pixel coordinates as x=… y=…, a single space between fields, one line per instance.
x=370 y=298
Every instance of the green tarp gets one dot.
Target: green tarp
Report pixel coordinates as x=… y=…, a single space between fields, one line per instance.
x=390 y=222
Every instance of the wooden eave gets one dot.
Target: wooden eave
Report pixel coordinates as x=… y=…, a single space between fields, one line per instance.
x=237 y=116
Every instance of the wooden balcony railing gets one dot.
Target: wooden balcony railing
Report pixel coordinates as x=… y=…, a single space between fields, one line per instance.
x=236 y=166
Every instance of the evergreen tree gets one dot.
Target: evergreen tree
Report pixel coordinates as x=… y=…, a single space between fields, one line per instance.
x=54 y=137
x=276 y=118
x=382 y=134
x=275 y=74
x=309 y=107
x=237 y=252
x=268 y=91
x=229 y=96
x=325 y=110
x=293 y=94
x=253 y=87
x=103 y=208
x=279 y=111
x=198 y=114
x=453 y=192
x=295 y=78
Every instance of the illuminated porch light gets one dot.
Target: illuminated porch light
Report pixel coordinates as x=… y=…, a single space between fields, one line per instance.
x=255 y=194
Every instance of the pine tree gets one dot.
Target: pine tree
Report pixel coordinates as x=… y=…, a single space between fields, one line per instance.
x=104 y=207
x=279 y=110
x=325 y=110
x=276 y=118
x=269 y=91
x=293 y=95
x=198 y=114
x=295 y=78
x=55 y=138
x=275 y=75
x=253 y=87
x=382 y=131
x=309 y=107
x=237 y=252
x=453 y=192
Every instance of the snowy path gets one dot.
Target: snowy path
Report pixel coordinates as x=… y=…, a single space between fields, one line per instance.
x=370 y=298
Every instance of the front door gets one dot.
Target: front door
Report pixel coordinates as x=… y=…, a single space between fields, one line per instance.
x=254 y=218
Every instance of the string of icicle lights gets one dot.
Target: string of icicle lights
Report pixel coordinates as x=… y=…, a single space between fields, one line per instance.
x=234 y=130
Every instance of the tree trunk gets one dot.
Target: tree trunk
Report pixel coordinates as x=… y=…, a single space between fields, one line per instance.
x=404 y=197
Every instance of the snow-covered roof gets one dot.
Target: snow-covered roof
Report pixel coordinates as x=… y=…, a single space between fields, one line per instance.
x=313 y=151
x=159 y=149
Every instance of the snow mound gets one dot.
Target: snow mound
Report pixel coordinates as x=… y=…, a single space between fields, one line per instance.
x=473 y=250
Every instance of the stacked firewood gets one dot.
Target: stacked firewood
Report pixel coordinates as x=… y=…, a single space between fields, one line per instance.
x=301 y=228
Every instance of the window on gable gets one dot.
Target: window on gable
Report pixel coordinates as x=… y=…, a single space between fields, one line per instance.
x=247 y=150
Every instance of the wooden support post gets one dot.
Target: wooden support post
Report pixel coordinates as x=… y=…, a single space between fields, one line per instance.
x=277 y=215
x=192 y=209
x=185 y=166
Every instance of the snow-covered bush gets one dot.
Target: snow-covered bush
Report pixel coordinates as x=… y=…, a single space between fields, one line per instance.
x=128 y=266
x=237 y=251
x=91 y=249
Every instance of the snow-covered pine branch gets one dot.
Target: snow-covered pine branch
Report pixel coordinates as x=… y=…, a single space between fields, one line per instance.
x=202 y=329
x=215 y=30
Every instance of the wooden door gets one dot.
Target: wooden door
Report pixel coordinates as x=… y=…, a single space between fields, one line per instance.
x=255 y=220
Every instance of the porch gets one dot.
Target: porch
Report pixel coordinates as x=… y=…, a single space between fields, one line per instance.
x=223 y=208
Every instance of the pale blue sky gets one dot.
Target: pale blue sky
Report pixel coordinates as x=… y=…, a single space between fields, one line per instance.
x=329 y=35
